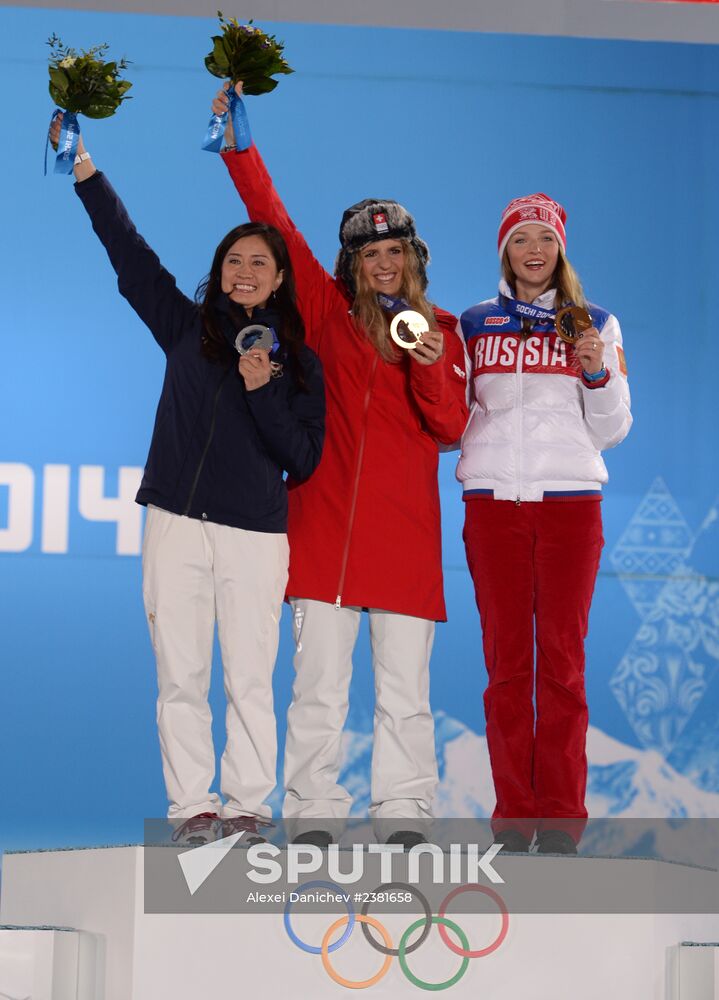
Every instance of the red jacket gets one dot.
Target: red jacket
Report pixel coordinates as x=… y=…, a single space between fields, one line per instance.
x=364 y=529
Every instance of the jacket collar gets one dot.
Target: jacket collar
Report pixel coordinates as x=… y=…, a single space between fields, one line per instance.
x=544 y=301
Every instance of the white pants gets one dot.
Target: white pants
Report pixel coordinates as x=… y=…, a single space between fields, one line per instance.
x=193 y=573
x=404 y=765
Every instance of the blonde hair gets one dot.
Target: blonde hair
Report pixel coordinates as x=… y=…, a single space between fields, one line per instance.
x=369 y=315
x=565 y=279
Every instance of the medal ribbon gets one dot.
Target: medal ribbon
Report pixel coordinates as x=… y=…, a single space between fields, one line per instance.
x=524 y=310
x=392 y=305
x=66 y=144
x=240 y=123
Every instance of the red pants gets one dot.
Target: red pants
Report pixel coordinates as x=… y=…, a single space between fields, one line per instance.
x=534 y=567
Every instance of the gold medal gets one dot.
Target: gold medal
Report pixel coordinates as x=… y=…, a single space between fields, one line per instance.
x=571 y=322
x=407 y=328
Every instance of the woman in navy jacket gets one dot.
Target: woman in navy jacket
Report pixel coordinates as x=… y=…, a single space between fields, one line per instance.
x=215 y=545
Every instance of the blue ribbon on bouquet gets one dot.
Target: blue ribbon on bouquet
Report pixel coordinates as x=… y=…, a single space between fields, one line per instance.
x=66 y=144
x=240 y=123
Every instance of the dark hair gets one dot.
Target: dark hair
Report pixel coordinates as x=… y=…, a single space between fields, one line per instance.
x=291 y=333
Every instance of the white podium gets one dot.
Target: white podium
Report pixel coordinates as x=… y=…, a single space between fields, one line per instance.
x=47 y=963
x=98 y=893
x=699 y=970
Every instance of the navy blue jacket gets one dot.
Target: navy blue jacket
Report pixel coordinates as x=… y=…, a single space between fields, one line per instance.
x=218 y=452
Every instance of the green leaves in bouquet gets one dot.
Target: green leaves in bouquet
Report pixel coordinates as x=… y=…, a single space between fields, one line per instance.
x=243 y=52
x=83 y=82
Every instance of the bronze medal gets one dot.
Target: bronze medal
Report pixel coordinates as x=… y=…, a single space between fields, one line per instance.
x=571 y=322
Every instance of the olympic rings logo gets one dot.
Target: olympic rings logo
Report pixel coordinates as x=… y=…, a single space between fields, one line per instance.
x=443 y=922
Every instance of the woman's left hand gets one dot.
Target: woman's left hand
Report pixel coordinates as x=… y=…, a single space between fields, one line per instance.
x=590 y=351
x=255 y=369
x=221 y=103
x=430 y=350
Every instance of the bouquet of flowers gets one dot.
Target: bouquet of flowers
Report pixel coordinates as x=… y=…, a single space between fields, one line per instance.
x=243 y=52
x=83 y=83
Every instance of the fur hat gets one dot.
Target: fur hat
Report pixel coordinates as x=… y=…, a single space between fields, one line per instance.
x=369 y=221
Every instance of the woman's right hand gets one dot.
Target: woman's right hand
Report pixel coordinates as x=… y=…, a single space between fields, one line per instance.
x=55 y=129
x=221 y=104
x=82 y=170
x=255 y=369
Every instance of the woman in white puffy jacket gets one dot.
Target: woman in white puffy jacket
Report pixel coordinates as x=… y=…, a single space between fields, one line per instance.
x=532 y=472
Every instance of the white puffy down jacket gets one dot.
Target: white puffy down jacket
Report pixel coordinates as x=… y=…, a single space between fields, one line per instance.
x=536 y=428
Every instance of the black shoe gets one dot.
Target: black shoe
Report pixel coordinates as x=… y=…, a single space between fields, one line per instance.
x=512 y=841
x=314 y=838
x=555 y=842
x=407 y=838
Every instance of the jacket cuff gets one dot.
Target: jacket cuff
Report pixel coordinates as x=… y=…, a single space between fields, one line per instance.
x=260 y=391
x=429 y=377
x=232 y=157
x=88 y=182
x=595 y=384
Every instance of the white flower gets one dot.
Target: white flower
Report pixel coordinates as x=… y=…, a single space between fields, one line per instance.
x=67 y=62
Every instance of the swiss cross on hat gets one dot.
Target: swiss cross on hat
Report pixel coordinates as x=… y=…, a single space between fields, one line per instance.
x=379 y=221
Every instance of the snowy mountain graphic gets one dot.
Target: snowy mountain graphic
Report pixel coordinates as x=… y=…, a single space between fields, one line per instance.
x=623 y=781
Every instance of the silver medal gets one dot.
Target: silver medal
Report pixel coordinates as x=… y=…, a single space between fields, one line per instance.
x=255 y=335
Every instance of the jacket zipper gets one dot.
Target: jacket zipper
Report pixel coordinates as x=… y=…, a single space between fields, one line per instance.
x=355 y=488
x=208 y=442
x=520 y=420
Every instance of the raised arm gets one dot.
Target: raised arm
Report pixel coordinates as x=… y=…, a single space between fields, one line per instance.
x=142 y=280
x=317 y=291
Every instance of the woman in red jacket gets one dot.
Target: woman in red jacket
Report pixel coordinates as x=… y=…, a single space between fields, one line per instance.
x=365 y=529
